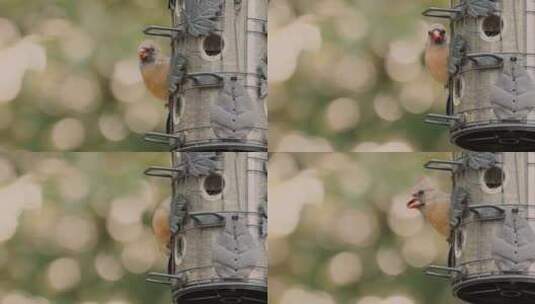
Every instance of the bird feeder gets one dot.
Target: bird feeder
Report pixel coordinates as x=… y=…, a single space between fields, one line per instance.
x=218 y=222
x=218 y=76
x=491 y=103
x=492 y=219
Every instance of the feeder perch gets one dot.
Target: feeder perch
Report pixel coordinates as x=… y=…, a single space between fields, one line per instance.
x=492 y=218
x=491 y=103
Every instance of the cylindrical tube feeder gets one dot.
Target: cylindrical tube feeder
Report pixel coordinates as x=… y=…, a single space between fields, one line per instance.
x=218 y=76
x=492 y=217
x=219 y=227
x=491 y=103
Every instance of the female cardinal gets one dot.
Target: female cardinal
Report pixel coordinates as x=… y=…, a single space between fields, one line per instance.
x=437 y=53
x=433 y=204
x=160 y=224
x=154 y=69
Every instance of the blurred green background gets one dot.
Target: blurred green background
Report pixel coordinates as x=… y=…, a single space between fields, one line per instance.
x=340 y=231
x=69 y=76
x=345 y=75
x=75 y=228
x=348 y=75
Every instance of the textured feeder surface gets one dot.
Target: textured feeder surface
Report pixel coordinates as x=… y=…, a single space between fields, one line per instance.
x=499 y=137
x=224 y=258
x=505 y=290
x=225 y=112
x=496 y=105
x=223 y=294
x=494 y=248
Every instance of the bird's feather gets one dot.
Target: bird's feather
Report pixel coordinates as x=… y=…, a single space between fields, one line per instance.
x=160 y=224
x=437 y=214
x=436 y=60
x=155 y=77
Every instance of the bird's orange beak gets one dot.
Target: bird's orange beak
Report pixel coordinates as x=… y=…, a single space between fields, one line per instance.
x=437 y=36
x=415 y=202
x=143 y=53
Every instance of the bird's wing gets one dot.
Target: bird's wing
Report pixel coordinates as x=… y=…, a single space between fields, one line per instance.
x=160 y=224
x=155 y=78
x=436 y=60
x=438 y=214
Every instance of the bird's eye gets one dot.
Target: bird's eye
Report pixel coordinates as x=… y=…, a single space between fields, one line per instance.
x=442 y=32
x=430 y=33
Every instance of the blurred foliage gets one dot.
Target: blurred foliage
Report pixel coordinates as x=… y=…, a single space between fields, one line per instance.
x=348 y=75
x=344 y=75
x=75 y=228
x=340 y=231
x=69 y=76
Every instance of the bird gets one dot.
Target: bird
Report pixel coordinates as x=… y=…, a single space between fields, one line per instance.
x=154 y=69
x=161 y=226
x=437 y=53
x=434 y=205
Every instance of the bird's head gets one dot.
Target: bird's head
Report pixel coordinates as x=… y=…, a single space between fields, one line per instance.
x=147 y=51
x=417 y=201
x=421 y=193
x=437 y=34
